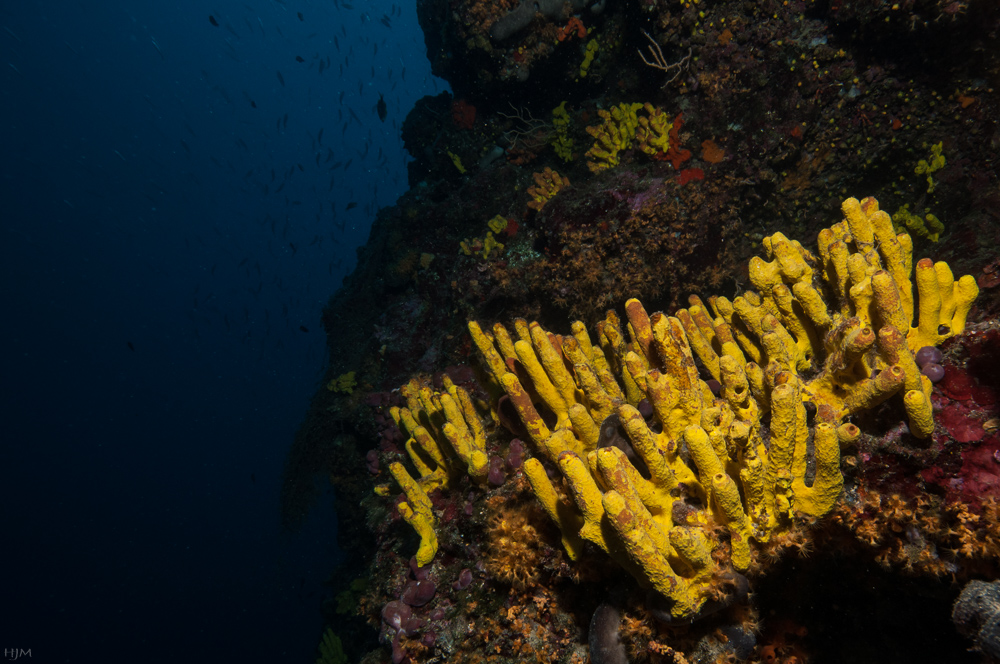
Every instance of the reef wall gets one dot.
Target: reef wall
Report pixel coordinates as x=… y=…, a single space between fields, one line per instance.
x=596 y=154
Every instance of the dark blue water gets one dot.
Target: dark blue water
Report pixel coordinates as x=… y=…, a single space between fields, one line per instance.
x=161 y=302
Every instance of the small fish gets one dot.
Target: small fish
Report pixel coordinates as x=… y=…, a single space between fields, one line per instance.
x=303 y=328
x=299 y=58
x=351 y=206
x=299 y=14
x=319 y=136
x=130 y=346
x=211 y=19
x=281 y=79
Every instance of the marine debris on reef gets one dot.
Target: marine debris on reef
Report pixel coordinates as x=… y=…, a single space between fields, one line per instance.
x=704 y=484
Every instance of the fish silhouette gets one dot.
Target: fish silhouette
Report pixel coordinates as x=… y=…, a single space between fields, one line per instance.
x=380 y=108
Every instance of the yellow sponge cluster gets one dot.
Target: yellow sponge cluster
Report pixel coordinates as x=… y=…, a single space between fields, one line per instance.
x=620 y=127
x=653 y=134
x=929 y=227
x=653 y=460
x=612 y=136
x=548 y=183
x=445 y=438
x=935 y=163
x=345 y=383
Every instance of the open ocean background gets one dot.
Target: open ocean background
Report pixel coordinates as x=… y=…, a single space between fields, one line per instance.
x=161 y=309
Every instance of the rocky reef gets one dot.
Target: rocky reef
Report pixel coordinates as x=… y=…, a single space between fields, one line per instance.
x=804 y=466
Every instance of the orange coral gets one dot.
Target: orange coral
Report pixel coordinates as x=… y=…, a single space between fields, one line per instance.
x=573 y=27
x=923 y=535
x=514 y=552
x=711 y=152
x=676 y=155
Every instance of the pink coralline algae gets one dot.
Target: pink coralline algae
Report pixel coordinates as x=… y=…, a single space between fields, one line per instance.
x=981 y=471
x=977 y=478
x=962 y=425
x=968 y=465
x=957 y=384
x=963 y=405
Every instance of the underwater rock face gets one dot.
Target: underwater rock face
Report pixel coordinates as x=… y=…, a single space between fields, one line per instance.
x=977 y=615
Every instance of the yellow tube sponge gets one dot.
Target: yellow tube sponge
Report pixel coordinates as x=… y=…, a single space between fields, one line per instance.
x=929 y=227
x=818 y=499
x=548 y=183
x=590 y=52
x=727 y=496
x=561 y=140
x=653 y=133
x=418 y=512
x=944 y=304
x=649 y=486
x=612 y=136
x=444 y=429
x=568 y=521
x=687 y=597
